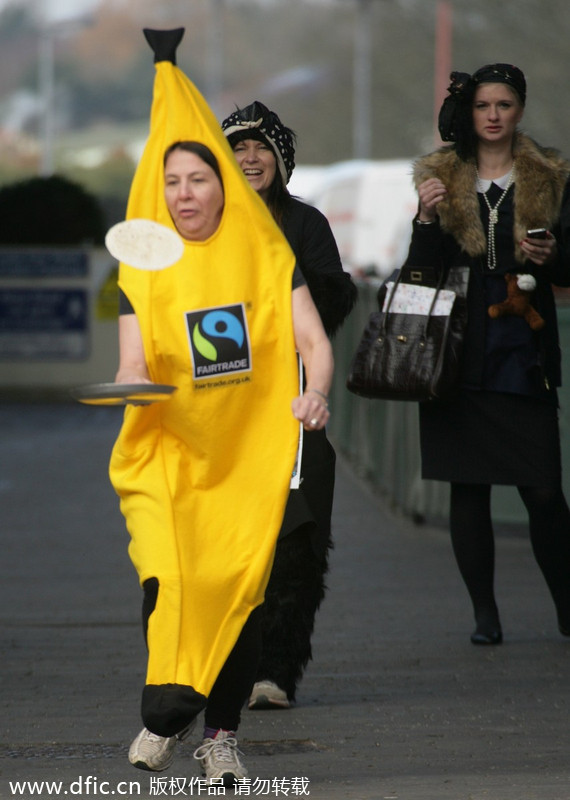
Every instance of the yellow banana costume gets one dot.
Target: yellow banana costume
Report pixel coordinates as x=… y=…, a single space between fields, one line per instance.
x=203 y=477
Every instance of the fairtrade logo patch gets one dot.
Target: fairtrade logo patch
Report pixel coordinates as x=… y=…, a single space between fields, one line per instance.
x=219 y=341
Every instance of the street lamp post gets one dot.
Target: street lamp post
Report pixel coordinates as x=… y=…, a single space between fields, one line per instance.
x=46 y=86
x=362 y=88
x=442 y=65
x=52 y=27
x=215 y=55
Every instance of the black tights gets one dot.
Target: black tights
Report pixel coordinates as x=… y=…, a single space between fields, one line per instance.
x=474 y=547
x=235 y=681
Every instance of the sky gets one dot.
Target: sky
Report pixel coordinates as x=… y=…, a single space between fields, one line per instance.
x=55 y=10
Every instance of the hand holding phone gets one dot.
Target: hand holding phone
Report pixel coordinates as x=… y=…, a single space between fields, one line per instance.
x=539 y=245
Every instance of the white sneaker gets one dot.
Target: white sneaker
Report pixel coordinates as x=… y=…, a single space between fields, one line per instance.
x=155 y=753
x=220 y=759
x=266 y=694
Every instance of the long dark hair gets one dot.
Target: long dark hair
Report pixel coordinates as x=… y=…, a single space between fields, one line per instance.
x=277 y=198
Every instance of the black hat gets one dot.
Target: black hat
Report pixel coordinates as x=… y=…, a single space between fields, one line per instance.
x=256 y=121
x=502 y=73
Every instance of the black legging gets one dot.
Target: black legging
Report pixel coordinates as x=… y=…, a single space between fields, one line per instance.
x=235 y=681
x=473 y=544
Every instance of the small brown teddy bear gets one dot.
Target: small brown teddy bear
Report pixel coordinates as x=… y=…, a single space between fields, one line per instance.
x=519 y=290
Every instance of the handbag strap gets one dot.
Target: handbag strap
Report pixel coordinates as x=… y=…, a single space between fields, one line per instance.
x=397 y=282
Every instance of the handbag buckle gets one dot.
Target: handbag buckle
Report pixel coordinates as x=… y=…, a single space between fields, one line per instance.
x=416 y=275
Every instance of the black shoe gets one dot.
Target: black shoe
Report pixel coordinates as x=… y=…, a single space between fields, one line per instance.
x=485 y=636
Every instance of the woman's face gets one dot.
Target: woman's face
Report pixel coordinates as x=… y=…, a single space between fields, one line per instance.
x=193 y=194
x=258 y=164
x=496 y=113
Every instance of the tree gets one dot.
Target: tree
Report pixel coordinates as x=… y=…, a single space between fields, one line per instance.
x=49 y=211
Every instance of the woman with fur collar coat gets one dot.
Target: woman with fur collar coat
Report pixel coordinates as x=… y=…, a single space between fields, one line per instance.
x=478 y=198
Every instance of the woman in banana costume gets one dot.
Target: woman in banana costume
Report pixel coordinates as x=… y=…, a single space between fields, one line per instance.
x=203 y=477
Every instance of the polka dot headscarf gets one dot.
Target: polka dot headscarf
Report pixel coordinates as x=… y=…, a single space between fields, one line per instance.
x=256 y=121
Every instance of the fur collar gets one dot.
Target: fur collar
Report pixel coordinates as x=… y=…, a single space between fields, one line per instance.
x=540 y=176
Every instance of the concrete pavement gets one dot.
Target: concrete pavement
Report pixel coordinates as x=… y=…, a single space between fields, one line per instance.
x=396 y=705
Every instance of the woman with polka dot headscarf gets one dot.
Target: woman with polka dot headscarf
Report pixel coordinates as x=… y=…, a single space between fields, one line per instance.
x=265 y=151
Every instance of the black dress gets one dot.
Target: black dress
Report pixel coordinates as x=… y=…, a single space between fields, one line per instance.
x=308 y=232
x=503 y=426
x=297 y=583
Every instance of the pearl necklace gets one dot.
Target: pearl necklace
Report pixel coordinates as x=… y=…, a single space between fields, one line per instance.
x=494 y=217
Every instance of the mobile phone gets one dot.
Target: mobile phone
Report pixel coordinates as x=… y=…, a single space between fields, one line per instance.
x=537 y=233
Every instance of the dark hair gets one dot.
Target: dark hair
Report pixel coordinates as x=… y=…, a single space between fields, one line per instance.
x=277 y=198
x=199 y=150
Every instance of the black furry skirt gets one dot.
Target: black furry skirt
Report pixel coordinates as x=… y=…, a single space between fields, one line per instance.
x=491 y=438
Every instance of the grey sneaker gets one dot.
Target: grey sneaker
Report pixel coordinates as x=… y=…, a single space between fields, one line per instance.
x=220 y=759
x=266 y=694
x=155 y=753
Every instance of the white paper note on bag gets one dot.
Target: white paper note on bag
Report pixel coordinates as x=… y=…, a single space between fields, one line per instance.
x=410 y=299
